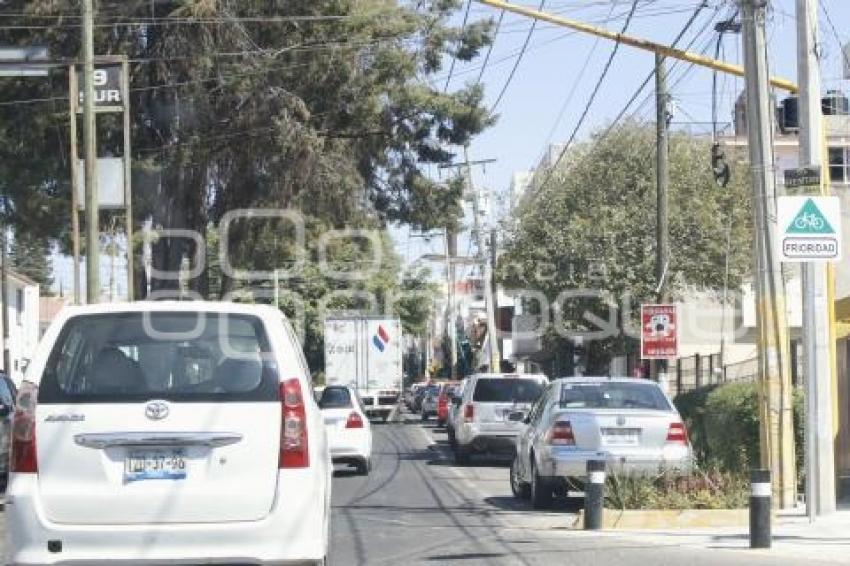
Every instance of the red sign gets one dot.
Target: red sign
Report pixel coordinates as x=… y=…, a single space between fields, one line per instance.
x=658 y=332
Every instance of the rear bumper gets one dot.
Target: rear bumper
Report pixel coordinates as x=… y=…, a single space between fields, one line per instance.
x=481 y=439
x=565 y=462
x=294 y=533
x=350 y=445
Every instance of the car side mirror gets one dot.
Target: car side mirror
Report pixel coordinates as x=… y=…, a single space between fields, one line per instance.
x=517 y=416
x=5 y=410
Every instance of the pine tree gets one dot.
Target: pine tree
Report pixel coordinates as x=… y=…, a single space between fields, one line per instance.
x=29 y=255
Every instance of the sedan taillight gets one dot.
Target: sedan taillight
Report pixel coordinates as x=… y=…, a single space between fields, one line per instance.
x=562 y=434
x=24 y=459
x=354 y=421
x=293 y=435
x=468 y=413
x=677 y=434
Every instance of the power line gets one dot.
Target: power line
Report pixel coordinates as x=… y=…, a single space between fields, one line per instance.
x=454 y=55
x=639 y=89
x=490 y=49
x=592 y=98
x=519 y=59
x=844 y=53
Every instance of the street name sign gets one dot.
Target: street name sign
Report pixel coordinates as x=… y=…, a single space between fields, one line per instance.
x=803 y=180
x=659 y=334
x=809 y=229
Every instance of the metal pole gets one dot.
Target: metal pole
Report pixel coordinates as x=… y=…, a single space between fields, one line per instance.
x=495 y=357
x=74 y=98
x=820 y=456
x=760 y=509
x=594 y=495
x=451 y=251
x=662 y=173
x=128 y=177
x=776 y=431
x=4 y=290
x=90 y=156
x=494 y=290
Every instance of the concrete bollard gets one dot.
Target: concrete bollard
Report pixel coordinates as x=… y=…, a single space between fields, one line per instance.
x=594 y=495
x=760 y=509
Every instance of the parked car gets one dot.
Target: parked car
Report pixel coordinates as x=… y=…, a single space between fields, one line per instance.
x=8 y=394
x=348 y=427
x=166 y=432
x=630 y=423
x=410 y=394
x=453 y=410
x=482 y=425
x=447 y=391
x=428 y=406
x=421 y=394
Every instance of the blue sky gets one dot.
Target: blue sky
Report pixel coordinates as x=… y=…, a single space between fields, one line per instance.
x=551 y=71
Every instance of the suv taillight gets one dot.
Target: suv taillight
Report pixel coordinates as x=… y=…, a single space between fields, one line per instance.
x=354 y=421
x=562 y=434
x=293 y=433
x=677 y=434
x=23 y=458
x=468 y=412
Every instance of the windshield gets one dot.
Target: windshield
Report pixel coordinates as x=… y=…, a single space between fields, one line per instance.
x=177 y=356
x=613 y=396
x=507 y=390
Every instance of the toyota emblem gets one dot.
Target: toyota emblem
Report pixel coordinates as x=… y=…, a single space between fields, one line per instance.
x=156 y=410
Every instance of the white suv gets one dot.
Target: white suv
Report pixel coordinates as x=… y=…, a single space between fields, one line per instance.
x=163 y=433
x=482 y=422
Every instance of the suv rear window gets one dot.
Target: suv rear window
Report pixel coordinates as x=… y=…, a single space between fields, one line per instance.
x=613 y=395
x=507 y=390
x=178 y=356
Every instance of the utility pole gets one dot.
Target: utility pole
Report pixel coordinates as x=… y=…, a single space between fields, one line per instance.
x=775 y=406
x=90 y=156
x=662 y=174
x=4 y=290
x=817 y=338
x=74 y=89
x=492 y=338
x=494 y=289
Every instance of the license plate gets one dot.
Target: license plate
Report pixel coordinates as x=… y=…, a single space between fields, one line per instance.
x=155 y=465
x=621 y=436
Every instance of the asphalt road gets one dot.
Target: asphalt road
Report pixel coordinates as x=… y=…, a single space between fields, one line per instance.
x=416 y=507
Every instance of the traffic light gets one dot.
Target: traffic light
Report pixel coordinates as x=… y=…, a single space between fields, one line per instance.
x=719 y=165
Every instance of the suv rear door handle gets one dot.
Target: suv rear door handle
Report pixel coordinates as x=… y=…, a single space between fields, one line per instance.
x=109 y=439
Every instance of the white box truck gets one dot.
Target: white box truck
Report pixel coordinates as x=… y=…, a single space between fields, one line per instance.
x=366 y=353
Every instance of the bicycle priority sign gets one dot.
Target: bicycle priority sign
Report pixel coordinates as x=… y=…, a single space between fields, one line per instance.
x=809 y=228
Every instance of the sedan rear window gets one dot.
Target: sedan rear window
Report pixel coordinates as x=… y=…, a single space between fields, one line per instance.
x=335 y=398
x=613 y=395
x=507 y=390
x=179 y=356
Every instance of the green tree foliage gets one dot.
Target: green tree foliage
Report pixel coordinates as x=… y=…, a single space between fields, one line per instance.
x=320 y=105
x=30 y=255
x=592 y=225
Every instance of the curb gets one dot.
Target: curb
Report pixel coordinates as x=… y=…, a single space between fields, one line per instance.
x=668 y=519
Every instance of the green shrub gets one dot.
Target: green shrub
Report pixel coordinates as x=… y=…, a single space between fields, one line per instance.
x=669 y=490
x=723 y=423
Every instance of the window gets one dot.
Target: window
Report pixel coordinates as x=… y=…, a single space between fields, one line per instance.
x=839 y=164
x=507 y=390
x=19 y=306
x=613 y=395
x=126 y=357
x=335 y=398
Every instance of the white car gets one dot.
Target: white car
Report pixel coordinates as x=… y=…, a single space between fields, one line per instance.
x=168 y=433
x=348 y=427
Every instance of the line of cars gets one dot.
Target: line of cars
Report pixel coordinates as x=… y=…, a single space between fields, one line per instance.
x=553 y=428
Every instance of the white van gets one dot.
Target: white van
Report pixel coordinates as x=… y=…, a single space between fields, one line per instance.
x=165 y=433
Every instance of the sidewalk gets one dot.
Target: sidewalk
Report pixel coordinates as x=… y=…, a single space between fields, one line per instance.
x=827 y=540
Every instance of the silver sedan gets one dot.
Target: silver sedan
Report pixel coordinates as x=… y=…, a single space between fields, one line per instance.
x=629 y=423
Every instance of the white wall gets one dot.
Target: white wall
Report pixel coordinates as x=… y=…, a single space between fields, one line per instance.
x=23 y=325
